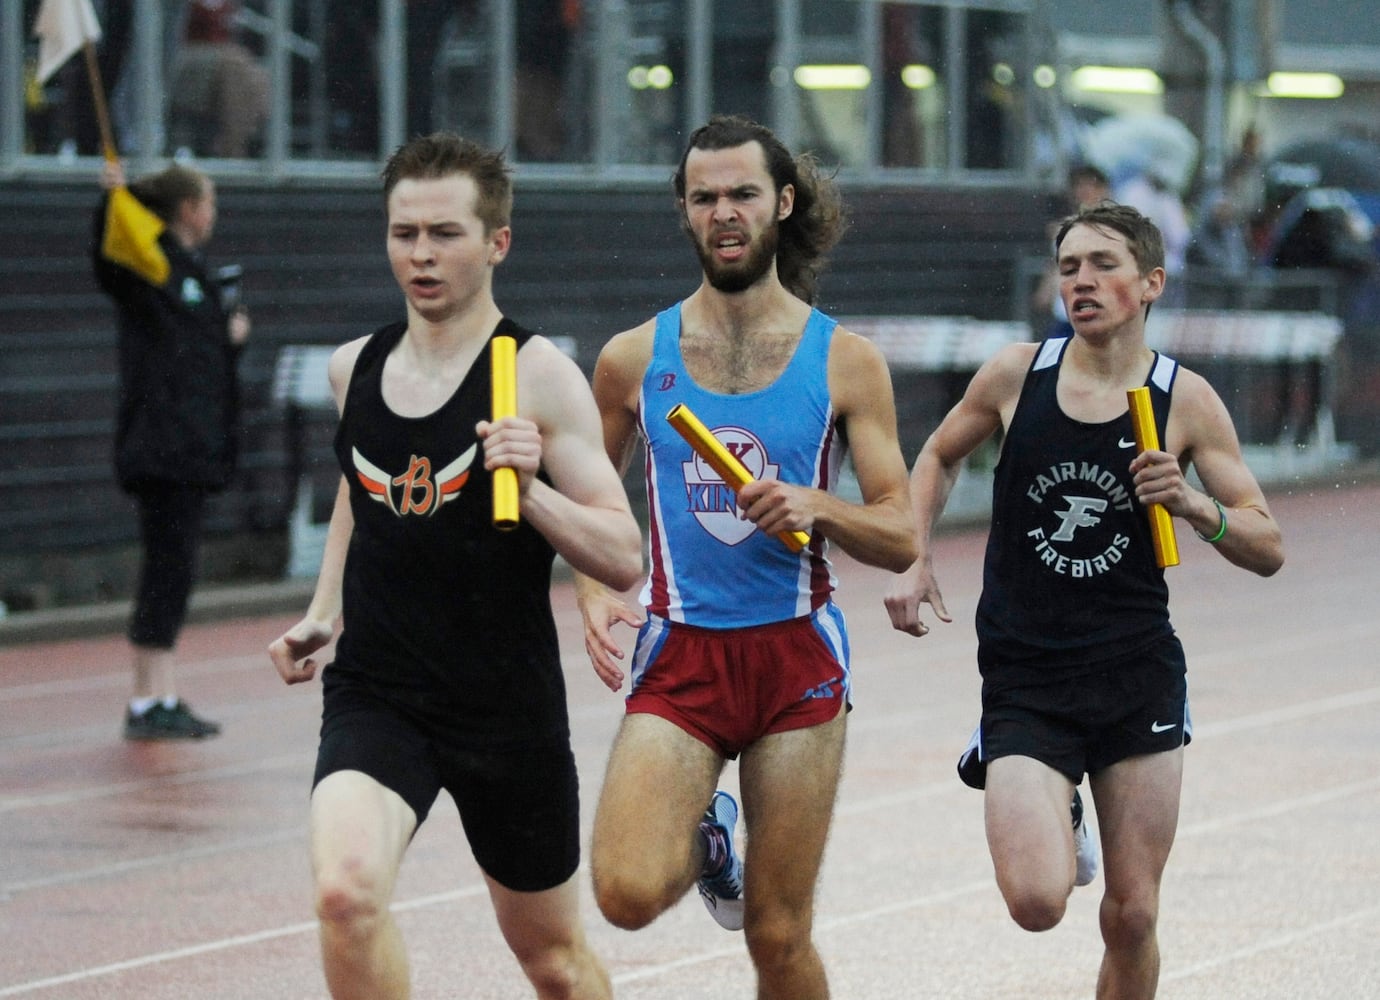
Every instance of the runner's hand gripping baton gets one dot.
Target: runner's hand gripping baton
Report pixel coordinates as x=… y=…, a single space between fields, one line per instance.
x=503 y=357
x=1148 y=439
x=722 y=461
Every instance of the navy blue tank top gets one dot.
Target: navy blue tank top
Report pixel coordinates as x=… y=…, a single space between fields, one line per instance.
x=445 y=616
x=1070 y=577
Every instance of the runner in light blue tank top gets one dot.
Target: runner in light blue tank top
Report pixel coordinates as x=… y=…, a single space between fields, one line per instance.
x=784 y=431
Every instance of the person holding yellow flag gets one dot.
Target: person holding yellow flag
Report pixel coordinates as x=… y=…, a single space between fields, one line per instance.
x=176 y=427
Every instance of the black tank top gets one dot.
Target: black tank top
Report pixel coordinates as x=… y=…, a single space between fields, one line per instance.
x=445 y=617
x=1070 y=577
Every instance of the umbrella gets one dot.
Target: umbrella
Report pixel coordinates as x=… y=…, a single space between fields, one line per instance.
x=1157 y=145
x=1336 y=162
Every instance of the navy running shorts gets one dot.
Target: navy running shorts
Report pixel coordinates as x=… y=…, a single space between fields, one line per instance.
x=1135 y=704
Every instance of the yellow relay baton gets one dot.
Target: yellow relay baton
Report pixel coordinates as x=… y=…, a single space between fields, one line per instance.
x=503 y=365
x=1148 y=439
x=722 y=461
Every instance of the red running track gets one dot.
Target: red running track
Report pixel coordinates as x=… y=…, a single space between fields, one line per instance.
x=177 y=871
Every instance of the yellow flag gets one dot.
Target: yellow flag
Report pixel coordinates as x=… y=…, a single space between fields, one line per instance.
x=62 y=27
x=131 y=237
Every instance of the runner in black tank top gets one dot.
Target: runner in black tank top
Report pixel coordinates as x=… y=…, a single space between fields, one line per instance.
x=1070 y=577
x=447 y=675
x=1082 y=675
x=445 y=616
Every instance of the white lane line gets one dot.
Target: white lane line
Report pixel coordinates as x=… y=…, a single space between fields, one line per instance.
x=156 y=860
x=1288 y=713
x=1253 y=816
x=223 y=944
x=860 y=916
x=120 y=679
x=14 y=803
x=1274 y=943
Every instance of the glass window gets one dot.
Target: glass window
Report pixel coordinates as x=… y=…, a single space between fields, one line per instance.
x=452 y=66
x=914 y=90
x=742 y=55
x=644 y=80
x=551 y=81
x=341 y=87
x=217 y=81
x=998 y=73
x=831 y=80
x=904 y=84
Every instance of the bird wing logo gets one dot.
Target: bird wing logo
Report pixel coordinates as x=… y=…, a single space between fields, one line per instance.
x=418 y=490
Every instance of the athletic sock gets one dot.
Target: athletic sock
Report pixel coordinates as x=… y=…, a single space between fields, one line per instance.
x=138 y=706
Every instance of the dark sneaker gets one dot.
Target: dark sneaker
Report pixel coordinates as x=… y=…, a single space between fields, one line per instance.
x=1084 y=843
x=723 y=893
x=163 y=723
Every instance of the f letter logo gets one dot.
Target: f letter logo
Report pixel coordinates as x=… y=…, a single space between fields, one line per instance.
x=1080 y=514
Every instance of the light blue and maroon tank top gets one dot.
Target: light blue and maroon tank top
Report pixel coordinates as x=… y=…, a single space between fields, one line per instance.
x=710 y=566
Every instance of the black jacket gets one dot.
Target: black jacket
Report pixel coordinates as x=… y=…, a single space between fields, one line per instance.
x=179 y=395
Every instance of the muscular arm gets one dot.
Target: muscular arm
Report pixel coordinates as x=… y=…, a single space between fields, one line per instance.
x=617 y=378
x=318 y=625
x=879 y=531
x=584 y=511
x=1201 y=433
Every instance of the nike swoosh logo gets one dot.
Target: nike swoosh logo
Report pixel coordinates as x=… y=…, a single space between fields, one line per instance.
x=1160 y=727
x=1123 y=443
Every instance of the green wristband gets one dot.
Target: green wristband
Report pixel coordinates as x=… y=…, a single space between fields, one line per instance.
x=1221 y=528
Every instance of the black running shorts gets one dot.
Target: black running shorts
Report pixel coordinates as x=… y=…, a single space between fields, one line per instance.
x=1136 y=704
x=519 y=806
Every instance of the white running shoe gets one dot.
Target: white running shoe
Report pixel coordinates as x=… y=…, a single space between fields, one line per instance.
x=723 y=894
x=1084 y=843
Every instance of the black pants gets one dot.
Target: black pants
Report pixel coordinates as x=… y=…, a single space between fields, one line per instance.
x=170 y=528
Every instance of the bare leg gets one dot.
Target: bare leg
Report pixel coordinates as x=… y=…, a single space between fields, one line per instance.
x=658 y=783
x=544 y=931
x=1031 y=839
x=1138 y=809
x=789 y=782
x=153 y=672
x=359 y=831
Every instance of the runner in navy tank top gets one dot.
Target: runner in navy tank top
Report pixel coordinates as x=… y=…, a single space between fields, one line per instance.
x=447 y=673
x=1081 y=671
x=742 y=651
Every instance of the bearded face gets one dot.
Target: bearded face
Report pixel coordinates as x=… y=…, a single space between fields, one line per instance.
x=733 y=260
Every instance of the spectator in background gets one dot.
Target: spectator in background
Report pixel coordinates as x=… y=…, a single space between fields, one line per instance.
x=545 y=29
x=62 y=114
x=175 y=433
x=220 y=91
x=1153 y=192
x=1245 y=178
x=1321 y=229
x=1221 y=240
x=1087 y=185
x=903 y=39
x=1227 y=212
